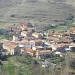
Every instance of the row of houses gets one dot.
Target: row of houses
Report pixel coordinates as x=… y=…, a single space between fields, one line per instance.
x=62 y=39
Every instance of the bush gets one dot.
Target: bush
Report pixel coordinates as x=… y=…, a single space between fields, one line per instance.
x=57 y=59
x=3 y=57
x=72 y=63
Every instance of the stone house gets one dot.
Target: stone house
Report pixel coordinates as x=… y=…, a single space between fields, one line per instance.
x=37 y=35
x=11 y=48
x=72 y=33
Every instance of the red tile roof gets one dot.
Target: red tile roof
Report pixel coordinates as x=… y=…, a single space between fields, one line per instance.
x=25 y=41
x=29 y=50
x=43 y=51
x=38 y=40
x=66 y=33
x=11 y=45
x=60 y=45
x=24 y=22
x=72 y=28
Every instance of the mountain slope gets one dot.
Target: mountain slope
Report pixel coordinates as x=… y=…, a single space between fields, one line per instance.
x=39 y=11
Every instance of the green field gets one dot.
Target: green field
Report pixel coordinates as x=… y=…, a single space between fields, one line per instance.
x=3 y=25
x=70 y=23
x=3 y=36
x=60 y=28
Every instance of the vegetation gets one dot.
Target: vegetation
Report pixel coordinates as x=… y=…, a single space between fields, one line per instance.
x=3 y=57
x=72 y=63
x=3 y=36
x=14 y=67
x=66 y=27
x=57 y=60
x=59 y=28
x=70 y=23
x=25 y=65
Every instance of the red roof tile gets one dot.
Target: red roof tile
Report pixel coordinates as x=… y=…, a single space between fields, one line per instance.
x=11 y=45
x=38 y=40
x=24 y=22
x=29 y=50
x=72 y=28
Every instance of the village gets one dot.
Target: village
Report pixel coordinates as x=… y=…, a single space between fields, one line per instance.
x=39 y=45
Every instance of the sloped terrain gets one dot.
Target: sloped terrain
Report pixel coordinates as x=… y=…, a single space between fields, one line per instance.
x=42 y=11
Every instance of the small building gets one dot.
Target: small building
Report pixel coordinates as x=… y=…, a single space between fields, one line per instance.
x=59 y=35
x=24 y=43
x=66 y=33
x=48 y=64
x=27 y=29
x=59 y=46
x=36 y=42
x=11 y=48
x=37 y=35
x=72 y=47
x=65 y=40
x=15 y=38
x=72 y=32
x=57 y=53
x=29 y=51
x=26 y=34
x=26 y=24
x=40 y=53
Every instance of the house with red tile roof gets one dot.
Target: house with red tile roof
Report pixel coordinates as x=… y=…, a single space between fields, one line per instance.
x=43 y=52
x=59 y=46
x=11 y=48
x=27 y=29
x=26 y=23
x=30 y=51
x=37 y=53
x=72 y=32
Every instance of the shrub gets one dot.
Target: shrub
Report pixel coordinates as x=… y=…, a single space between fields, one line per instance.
x=72 y=63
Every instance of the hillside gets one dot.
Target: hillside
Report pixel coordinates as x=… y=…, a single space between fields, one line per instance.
x=41 y=11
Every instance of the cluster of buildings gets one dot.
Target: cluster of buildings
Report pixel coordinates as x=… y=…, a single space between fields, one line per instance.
x=25 y=39
x=62 y=40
